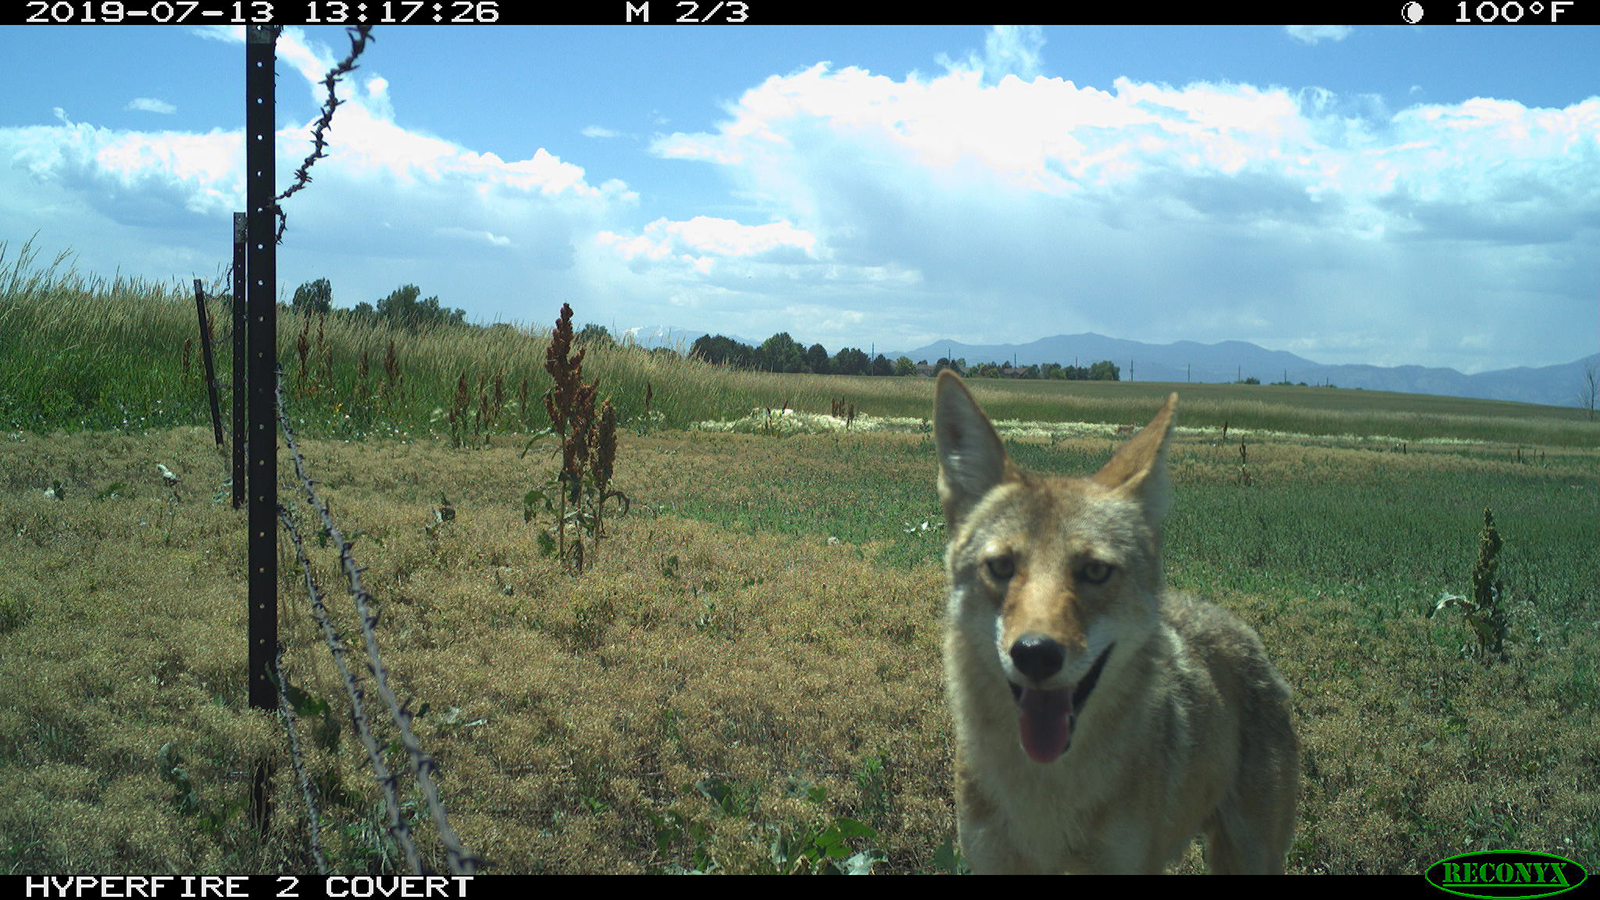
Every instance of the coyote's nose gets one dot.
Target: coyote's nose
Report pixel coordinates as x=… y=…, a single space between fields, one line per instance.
x=1037 y=656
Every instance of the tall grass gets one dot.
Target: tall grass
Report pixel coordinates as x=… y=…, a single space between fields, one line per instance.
x=81 y=352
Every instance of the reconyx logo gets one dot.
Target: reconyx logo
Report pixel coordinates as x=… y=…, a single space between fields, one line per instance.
x=1504 y=874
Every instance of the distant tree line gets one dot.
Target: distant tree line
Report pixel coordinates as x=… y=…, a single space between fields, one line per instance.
x=1104 y=370
x=779 y=353
x=401 y=308
x=782 y=353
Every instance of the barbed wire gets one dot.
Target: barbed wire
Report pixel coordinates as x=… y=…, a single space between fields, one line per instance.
x=399 y=829
x=359 y=35
x=423 y=766
x=286 y=712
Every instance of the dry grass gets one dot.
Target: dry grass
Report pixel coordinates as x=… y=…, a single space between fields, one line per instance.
x=674 y=704
x=564 y=710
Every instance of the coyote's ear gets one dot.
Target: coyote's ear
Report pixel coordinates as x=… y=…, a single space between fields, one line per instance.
x=971 y=459
x=1139 y=469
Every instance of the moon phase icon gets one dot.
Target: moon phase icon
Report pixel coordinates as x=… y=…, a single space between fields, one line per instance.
x=1411 y=12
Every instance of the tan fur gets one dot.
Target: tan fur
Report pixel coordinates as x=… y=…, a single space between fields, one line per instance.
x=1187 y=729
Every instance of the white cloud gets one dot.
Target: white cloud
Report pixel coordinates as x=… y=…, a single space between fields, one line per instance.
x=377 y=99
x=1007 y=50
x=388 y=204
x=226 y=34
x=726 y=237
x=486 y=237
x=700 y=244
x=1315 y=34
x=130 y=176
x=150 y=104
x=1314 y=218
x=989 y=202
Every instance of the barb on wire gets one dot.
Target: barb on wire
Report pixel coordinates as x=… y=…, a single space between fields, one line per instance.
x=398 y=827
x=423 y=766
x=286 y=712
x=359 y=35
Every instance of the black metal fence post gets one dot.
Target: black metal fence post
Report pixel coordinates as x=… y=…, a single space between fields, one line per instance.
x=261 y=268
x=240 y=355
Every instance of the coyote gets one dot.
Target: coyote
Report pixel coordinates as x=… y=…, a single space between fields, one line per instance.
x=1101 y=722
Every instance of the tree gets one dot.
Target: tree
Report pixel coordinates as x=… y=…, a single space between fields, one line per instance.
x=400 y=307
x=595 y=334
x=314 y=297
x=782 y=353
x=817 y=359
x=723 y=351
x=402 y=310
x=904 y=366
x=880 y=365
x=1105 y=370
x=851 y=361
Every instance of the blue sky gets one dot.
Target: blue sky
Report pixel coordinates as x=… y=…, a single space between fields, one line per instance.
x=1384 y=195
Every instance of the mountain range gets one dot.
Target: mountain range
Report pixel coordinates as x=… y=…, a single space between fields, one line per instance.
x=1557 y=385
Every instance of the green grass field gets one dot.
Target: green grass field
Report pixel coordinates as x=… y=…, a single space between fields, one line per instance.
x=751 y=662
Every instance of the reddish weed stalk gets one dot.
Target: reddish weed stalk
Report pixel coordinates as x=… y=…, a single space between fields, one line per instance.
x=588 y=451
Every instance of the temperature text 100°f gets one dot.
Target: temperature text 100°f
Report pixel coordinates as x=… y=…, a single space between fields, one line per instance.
x=1509 y=12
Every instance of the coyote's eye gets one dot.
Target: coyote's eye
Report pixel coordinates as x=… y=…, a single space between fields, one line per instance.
x=1002 y=567
x=1095 y=572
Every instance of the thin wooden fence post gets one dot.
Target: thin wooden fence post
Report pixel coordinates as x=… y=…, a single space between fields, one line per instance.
x=211 y=363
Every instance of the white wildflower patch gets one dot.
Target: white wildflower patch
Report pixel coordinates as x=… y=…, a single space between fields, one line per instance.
x=784 y=422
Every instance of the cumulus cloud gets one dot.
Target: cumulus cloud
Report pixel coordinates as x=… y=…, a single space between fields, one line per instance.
x=388 y=204
x=719 y=255
x=991 y=203
x=377 y=101
x=129 y=176
x=705 y=235
x=1007 y=50
x=1312 y=219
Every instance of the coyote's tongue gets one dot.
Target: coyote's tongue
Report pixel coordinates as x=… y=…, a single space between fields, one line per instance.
x=1045 y=720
